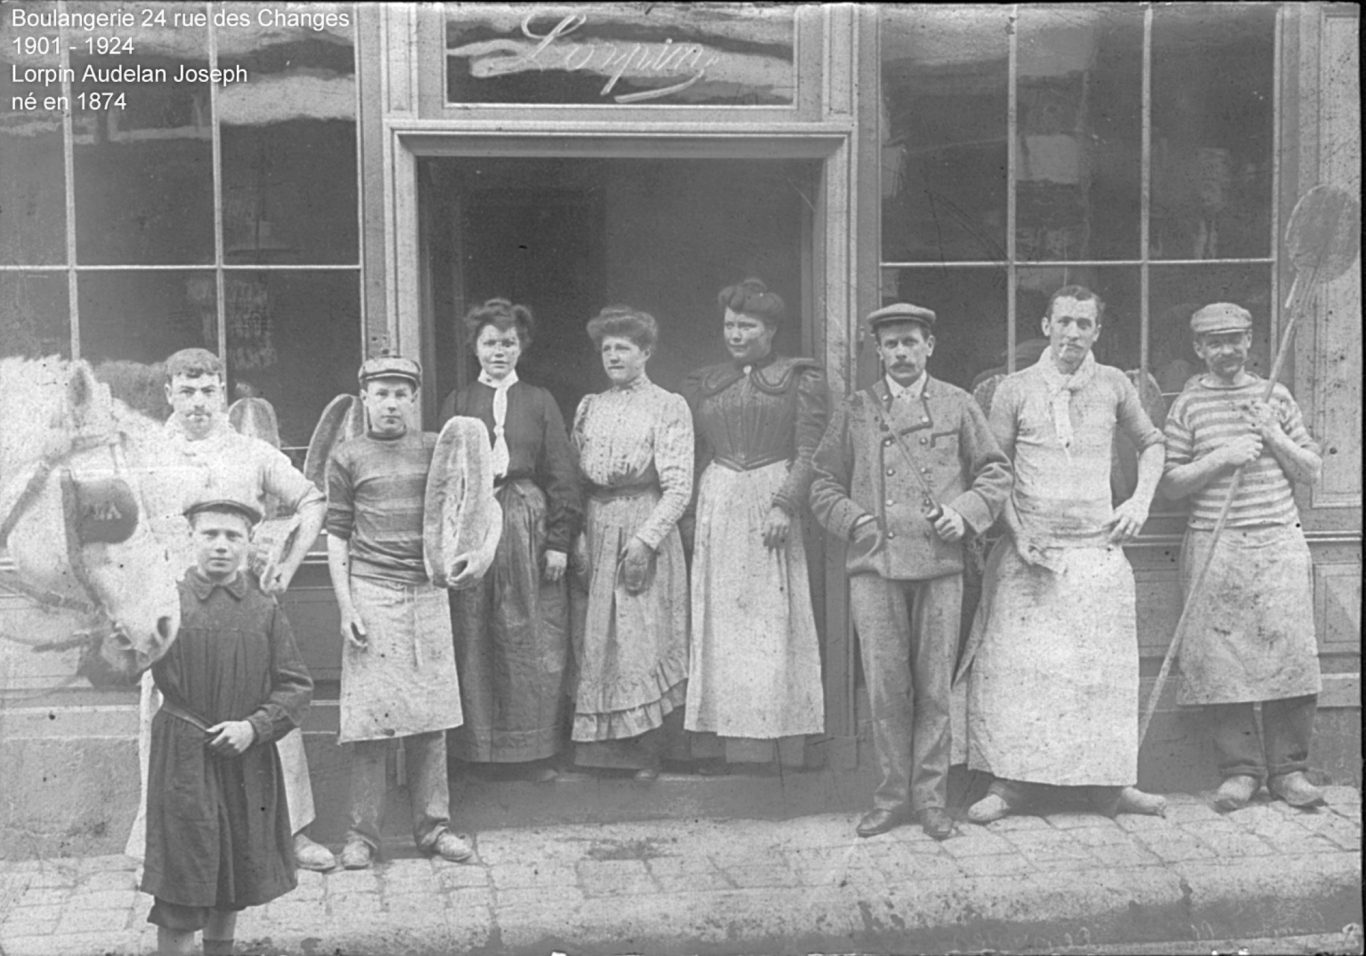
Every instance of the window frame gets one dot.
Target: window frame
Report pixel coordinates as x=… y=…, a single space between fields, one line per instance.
x=1144 y=262
x=220 y=268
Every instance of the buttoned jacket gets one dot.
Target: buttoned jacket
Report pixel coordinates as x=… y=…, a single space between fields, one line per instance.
x=861 y=469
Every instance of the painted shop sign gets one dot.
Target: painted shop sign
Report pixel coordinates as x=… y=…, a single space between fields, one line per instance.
x=660 y=54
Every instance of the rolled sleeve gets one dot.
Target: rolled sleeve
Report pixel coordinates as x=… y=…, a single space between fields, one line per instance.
x=1131 y=416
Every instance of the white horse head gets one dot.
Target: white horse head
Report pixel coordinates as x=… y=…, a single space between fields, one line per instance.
x=77 y=477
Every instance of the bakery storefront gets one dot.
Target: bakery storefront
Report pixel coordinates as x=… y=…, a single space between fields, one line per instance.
x=383 y=167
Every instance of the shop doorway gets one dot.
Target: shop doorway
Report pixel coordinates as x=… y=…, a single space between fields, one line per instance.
x=568 y=236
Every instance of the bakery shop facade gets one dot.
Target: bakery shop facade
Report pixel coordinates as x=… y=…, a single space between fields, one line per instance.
x=374 y=170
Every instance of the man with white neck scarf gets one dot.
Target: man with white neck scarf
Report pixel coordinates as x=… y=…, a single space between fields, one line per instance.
x=1053 y=686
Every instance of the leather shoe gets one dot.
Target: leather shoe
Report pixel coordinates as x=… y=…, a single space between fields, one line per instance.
x=878 y=820
x=357 y=855
x=451 y=846
x=312 y=856
x=936 y=823
x=990 y=808
x=1235 y=792
x=1295 y=789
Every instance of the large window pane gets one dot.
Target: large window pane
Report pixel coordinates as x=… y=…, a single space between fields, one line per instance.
x=1079 y=140
x=655 y=54
x=144 y=316
x=1178 y=291
x=143 y=170
x=35 y=314
x=944 y=76
x=294 y=339
x=1213 y=100
x=970 y=308
x=32 y=176
x=288 y=143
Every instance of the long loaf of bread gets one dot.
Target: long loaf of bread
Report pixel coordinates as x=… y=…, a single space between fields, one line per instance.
x=462 y=521
x=343 y=418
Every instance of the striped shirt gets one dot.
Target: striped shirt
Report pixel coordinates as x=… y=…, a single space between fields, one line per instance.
x=1202 y=419
x=375 y=492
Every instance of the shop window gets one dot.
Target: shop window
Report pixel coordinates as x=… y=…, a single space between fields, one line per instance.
x=223 y=216
x=34 y=314
x=604 y=54
x=1128 y=148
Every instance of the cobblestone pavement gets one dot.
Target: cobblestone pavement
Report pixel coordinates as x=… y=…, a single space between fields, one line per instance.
x=1060 y=882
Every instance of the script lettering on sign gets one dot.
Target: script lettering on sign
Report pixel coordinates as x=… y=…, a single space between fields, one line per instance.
x=670 y=54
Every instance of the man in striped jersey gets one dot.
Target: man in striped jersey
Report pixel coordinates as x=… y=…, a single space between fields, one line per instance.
x=1251 y=637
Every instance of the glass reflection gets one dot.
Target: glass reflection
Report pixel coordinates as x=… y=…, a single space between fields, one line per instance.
x=1079 y=132
x=1177 y=291
x=144 y=316
x=294 y=338
x=35 y=314
x=144 y=172
x=1213 y=113
x=33 y=184
x=289 y=143
x=970 y=309
x=944 y=76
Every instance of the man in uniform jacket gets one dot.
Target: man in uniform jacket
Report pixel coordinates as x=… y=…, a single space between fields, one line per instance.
x=905 y=470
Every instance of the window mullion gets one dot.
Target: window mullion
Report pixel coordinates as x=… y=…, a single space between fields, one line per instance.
x=1012 y=132
x=1277 y=80
x=69 y=170
x=1145 y=198
x=217 y=143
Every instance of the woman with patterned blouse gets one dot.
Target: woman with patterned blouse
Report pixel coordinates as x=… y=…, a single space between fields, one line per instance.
x=635 y=448
x=755 y=674
x=512 y=628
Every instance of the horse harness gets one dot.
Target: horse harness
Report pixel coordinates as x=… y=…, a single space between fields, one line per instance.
x=102 y=523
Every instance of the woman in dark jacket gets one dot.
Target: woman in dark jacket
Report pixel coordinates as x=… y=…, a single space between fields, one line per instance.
x=512 y=629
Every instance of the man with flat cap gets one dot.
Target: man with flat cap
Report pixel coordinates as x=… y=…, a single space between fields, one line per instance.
x=1052 y=663
x=399 y=678
x=1251 y=636
x=905 y=470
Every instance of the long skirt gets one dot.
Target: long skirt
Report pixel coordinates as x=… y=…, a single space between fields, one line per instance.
x=1251 y=637
x=404 y=682
x=755 y=669
x=511 y=643
x=630 y=650
x=217 y=827
x=1053 y=691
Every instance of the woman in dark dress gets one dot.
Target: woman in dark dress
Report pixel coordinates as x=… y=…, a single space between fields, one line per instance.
x=755 y=674
x=512 y=628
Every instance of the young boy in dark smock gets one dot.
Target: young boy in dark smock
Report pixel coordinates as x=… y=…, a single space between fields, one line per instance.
x=218 y=834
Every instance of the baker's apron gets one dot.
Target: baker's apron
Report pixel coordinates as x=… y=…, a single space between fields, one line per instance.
x=1251 y=634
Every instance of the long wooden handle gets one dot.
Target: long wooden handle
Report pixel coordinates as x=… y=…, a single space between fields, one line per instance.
x=1300 y=290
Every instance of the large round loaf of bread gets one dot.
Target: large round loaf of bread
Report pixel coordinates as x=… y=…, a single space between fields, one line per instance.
x=462 y=521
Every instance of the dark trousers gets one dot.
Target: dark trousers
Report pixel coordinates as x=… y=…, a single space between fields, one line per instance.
x=1283 y=746
x=428 y=787
x=908 y=635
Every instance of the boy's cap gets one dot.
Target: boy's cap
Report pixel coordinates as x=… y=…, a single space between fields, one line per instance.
x=233 y=505
x=388 y=365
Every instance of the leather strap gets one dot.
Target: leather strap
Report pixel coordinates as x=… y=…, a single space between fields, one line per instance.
x=875 y=405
